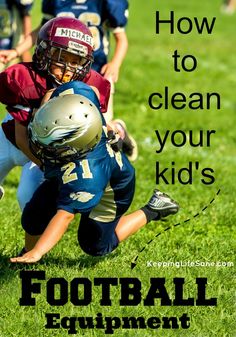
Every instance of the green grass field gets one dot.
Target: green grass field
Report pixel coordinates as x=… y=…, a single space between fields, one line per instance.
x=206 y=230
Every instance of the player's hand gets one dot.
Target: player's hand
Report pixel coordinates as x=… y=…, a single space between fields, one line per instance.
x=8 y=55
x=110 y=71
x=30 y=257
x=47 y=96
x=114 y=138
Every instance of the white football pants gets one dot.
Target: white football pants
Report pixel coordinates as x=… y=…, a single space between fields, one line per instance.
x=31 y=178
x=10 y=156
x=31 y=175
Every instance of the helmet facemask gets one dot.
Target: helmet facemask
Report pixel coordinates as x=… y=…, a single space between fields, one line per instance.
x=49 y=57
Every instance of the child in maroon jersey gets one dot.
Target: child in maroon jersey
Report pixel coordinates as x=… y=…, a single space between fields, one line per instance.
x=64 y=52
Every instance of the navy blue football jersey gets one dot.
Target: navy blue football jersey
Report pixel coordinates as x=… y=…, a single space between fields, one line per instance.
x=102 y=182
x=98 y=183
x=101 y=16
x=77 y=87
x=11 y=13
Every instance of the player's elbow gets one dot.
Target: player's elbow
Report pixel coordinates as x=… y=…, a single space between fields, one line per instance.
x=67 y=216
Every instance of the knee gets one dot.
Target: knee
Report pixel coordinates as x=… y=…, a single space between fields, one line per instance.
x=22 y=197
x=96 y=242
x=91 y=249
x=25 y=192
x=95 y=249
x=31 y=179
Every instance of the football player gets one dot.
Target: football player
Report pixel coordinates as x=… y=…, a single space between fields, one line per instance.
x=84 y=175
x=64 y=52
x=102 y=17
x=15 y=26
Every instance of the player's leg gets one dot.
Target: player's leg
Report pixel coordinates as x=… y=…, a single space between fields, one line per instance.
x=31 y=178
x=10 y=157
x=95 y=237
x=97 y=230
x=6 y=162
x=159 y=206
x=4 y=153
x=99 y=238
x=129 y=145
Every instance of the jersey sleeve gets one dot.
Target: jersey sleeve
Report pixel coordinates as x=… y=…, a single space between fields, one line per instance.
x=12 y=96
x=116 y=12
x=96 y=80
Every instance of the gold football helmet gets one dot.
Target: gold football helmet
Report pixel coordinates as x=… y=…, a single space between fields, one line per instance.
x=65 y=128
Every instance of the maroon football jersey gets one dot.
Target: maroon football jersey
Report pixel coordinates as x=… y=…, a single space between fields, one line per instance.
x=22 y=88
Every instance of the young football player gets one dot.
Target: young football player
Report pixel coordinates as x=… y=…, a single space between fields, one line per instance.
x=15 y=26
x=64 y=52
x=83 y=175
x=103 y=17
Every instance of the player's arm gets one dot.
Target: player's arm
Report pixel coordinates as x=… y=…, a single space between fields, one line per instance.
x=52 y=234
x=21 y=134
x=112 y=68
x=27 y=28
x=101 y=87
x=47 y=96
x=28 y=42
x=9 y=55
x=96 y=91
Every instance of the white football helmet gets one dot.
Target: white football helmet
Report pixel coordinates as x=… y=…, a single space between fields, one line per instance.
x=65 y=128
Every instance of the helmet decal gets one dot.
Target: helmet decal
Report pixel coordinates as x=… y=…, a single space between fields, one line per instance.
x=75 y=34
x=58 y=135
x=82 y=50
